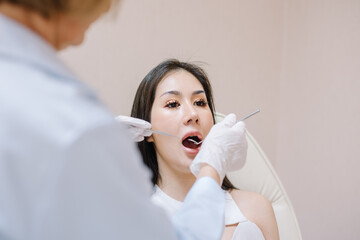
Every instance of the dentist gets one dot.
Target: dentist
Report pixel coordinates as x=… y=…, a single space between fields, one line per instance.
x=67 y=168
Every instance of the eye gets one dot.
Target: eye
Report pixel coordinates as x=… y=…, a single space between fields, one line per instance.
x=172 y=104
x=200 y=103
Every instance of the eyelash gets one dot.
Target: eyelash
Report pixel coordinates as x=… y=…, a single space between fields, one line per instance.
x=175 y=104
x=201 y=103
x=171 y=103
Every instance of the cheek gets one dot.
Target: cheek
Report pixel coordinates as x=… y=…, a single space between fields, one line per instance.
x=164 y=120
x=208 y=122
x=74 y=32
x=169 y=122
x=77 y=36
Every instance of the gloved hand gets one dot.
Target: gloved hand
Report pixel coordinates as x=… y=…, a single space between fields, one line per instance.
x=224 y=148
x=138 y=128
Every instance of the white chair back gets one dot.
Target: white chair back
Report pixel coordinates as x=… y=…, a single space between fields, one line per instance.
x=259 y=176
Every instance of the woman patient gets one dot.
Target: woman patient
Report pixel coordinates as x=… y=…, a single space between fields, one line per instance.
x=176 y=98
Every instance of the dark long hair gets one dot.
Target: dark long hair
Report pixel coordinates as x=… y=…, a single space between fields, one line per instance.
x=144 y=100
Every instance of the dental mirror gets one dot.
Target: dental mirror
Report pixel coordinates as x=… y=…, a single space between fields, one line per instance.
x=242 y=119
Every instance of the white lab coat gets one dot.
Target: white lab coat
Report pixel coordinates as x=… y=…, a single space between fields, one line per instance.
x=67 y=169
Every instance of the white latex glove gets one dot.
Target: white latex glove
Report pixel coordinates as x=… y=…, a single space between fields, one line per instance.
x=224 y=148
x=138 y=128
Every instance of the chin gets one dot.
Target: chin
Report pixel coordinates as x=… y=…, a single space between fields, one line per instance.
x=188 y=163
x=72 y=43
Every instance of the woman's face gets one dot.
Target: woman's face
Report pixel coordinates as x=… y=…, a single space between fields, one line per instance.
x=180 y=108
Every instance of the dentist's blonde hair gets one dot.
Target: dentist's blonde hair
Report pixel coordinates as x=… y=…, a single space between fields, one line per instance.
x=48 y=8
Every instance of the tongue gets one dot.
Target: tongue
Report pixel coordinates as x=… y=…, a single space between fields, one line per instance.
x=190 y=144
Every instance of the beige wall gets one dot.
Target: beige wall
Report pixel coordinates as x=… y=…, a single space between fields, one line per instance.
x=318 y=137
x=298 y=61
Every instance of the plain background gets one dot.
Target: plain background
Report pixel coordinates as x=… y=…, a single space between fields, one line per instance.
x=298 y=61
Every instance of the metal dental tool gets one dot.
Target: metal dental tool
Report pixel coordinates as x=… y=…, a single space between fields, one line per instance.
x=242 y=119
x=251 y=114
x=163 y=133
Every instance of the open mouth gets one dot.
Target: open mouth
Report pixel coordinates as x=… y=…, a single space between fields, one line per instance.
x=190 y=142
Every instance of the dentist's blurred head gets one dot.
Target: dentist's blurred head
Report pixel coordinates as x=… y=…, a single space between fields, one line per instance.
x=61 y=23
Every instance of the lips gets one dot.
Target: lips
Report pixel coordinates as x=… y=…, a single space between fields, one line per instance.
x=189 y=146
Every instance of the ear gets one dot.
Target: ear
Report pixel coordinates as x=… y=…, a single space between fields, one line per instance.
x=150 y=139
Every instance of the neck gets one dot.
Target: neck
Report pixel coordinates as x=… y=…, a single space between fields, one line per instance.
x=176 y=184
x=46 y=28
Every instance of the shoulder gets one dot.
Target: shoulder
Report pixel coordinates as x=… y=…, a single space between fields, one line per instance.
x=258 y=210
x=251 y=203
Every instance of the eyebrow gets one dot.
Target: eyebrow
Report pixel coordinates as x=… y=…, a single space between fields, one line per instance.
x=173 y=92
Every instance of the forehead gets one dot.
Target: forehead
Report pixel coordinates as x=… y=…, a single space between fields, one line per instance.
x=179 y=80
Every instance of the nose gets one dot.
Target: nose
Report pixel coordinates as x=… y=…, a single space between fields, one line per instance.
x=190 y=115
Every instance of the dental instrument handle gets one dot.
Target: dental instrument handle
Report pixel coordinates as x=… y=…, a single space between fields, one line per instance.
x=251 y=114
x=163 y=133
